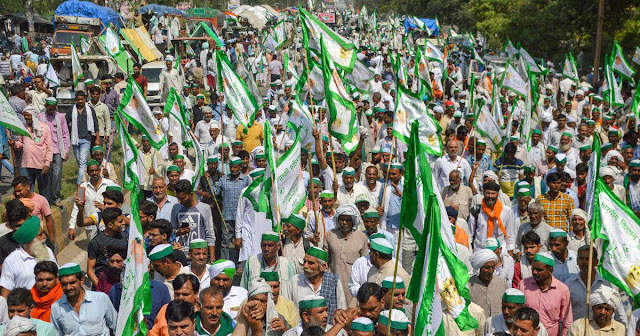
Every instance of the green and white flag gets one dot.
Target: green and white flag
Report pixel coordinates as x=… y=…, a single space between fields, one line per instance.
x=593 y=172
x=439 y=276
x=486 y=126
x=617 y=230
x=290 y=68
x=84 y=45
x=421 y=25
x=76 y=66
x=569 y=69
x=360 y=77
x=178 y=120
x=51 y=77
x=513 y=82
x=421 y=71
x=510 y=50
x=290 y=191
x=341 y=50
x=620 y=64
x=237 y=96
x=635 y=105
x=636 y=56
x=134 y=108
x=614 y=95
x=135 y=300
x=409 y=108
x=453 y=34
x=432 y=53
x=477 y=57
x=112 y=42
x=9 y=118
x=280 y=31
x=374 y=21
x=342 y=111
x=534 y=67
x=301 y=121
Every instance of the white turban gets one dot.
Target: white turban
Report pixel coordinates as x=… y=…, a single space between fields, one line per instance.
x=490 y=174
x=19 y=325
x=218 y=268
x=611 y=154
x=605 y=294
x=349 y=210
x=481 y=257
x=258 y=286
x=607 y=171
x=580 y=213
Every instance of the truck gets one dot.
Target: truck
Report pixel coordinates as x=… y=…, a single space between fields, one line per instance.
x=73 y=28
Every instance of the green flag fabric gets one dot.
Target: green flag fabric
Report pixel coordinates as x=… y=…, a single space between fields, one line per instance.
x=237 y=96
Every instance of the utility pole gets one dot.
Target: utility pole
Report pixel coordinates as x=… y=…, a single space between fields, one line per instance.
x=596 y=60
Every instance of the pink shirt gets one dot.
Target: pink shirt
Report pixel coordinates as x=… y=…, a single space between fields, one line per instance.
x=553 y=304
x=36 y=152
x=51 y=122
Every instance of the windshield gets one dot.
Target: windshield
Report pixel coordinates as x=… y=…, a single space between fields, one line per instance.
x=152 y=74
x=62 y=39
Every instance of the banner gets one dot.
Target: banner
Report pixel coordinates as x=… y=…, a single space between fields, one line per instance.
x=134 y=109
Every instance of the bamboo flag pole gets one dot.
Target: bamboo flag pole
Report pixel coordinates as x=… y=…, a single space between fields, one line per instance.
x=395 y=276
x=589 y=273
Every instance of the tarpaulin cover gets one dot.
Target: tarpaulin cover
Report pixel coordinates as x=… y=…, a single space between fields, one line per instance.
x=430 y=23
x=89 y=9
x=161 y=9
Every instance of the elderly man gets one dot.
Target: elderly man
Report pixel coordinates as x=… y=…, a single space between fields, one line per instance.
x=346 y=244
x=505 y=265
x=382 y=262
x=268 y=261
x=452 y=161
x=316 y=280
x=37 y=151
x=350 y=190
x=221 y=273
x=60 y=143
x=314 y=311
x=536 y=224
x=211 y=320
x=493 y=220
x=284 y=306
x=457 y=194
x=512 y=301
x=199 y=255
x=259 y=315
x=483 y=285
x=169 y=78
x=548 y=295
x=80 y=311
x=603 y=304
x=18 y=267
x=578 y=288
x=579 y=234
x=295 y=244
x=565 y=259
x=326 y=216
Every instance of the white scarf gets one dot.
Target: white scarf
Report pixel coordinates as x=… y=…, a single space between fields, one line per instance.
x=36 y=129
x=74 y=122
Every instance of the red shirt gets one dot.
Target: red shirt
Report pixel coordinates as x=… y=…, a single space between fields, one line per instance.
x=141 y=80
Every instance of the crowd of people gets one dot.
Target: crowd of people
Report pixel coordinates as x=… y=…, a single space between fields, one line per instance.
x=342 y=264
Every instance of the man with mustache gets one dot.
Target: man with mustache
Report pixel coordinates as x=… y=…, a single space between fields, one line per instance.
x=211 y=320
x=111 y=275
x=17 y=270
x=19 y=304
x=46 y=291
x=603 y=302
x=512 y=300
x=493 y=220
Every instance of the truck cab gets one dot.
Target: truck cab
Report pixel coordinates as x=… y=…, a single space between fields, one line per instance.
x=72 y=28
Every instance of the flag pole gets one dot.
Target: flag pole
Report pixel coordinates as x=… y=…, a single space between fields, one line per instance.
x=216 y=201
x=589 y=273
x=395 y=274
x=313 y=194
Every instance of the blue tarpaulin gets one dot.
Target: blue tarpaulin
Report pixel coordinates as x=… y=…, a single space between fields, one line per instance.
x=161 y=9
x=409 y=24
x=90 y=10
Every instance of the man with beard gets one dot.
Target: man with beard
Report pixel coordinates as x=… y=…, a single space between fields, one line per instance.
x=17 y=270
x=221 y=273
x=164 y=202
x=186 y=288
x=317 y=234
x=80 y=311
x=314 y=311
x=579 y=234
x=632 y=185
x=603 y=303
x=46 y=291
x=457 y=194
x=493 y=220
x=346 y=244
x=316 y=280
x=84 y=125
x=93 y=190
x=211 y=320
x=512 y=300
x=37 y=151
x=111 y=275
x=268 y=261
x=548 y=295
x=259 y=314
x=284 y=306
x=19 y=303
x=109 y=239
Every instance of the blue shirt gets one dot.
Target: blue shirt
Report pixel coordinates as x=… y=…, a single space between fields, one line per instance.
x=395 y=203
x=165 y=212
x=159 y=294
x=97 y=316
x=231 y=191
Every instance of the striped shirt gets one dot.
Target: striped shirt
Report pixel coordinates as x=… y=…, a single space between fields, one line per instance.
x=231 y=191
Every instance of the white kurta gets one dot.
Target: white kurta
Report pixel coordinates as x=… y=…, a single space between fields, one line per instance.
x=250 y=225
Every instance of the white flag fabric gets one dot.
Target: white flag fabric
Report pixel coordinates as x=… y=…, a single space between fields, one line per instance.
x=513 y=81
x=112 y=42
x=410 y=108
x=534 y=67
x=636 y=56
x=569 y=69
x=76 y=66
x=237 y=96
x=619 y=63
x=178 y=126
x=486 y=125
x=511 y=51
x=302 y=120
x=290 y=190
x=341 y=50
x=51 y=77
x=9 y=118
x=432 y=53
x=135 y=109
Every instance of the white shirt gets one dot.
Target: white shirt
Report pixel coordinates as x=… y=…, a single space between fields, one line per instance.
x=205 y=281
x=90 y=195
x=444 y=166
x=359 y=271
x=297 y=330
x=373 y=194
x=345 y=197
x=299 y=287
x=496 y=324
x=232 y=301
x=17 y=269
x=478 y=230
